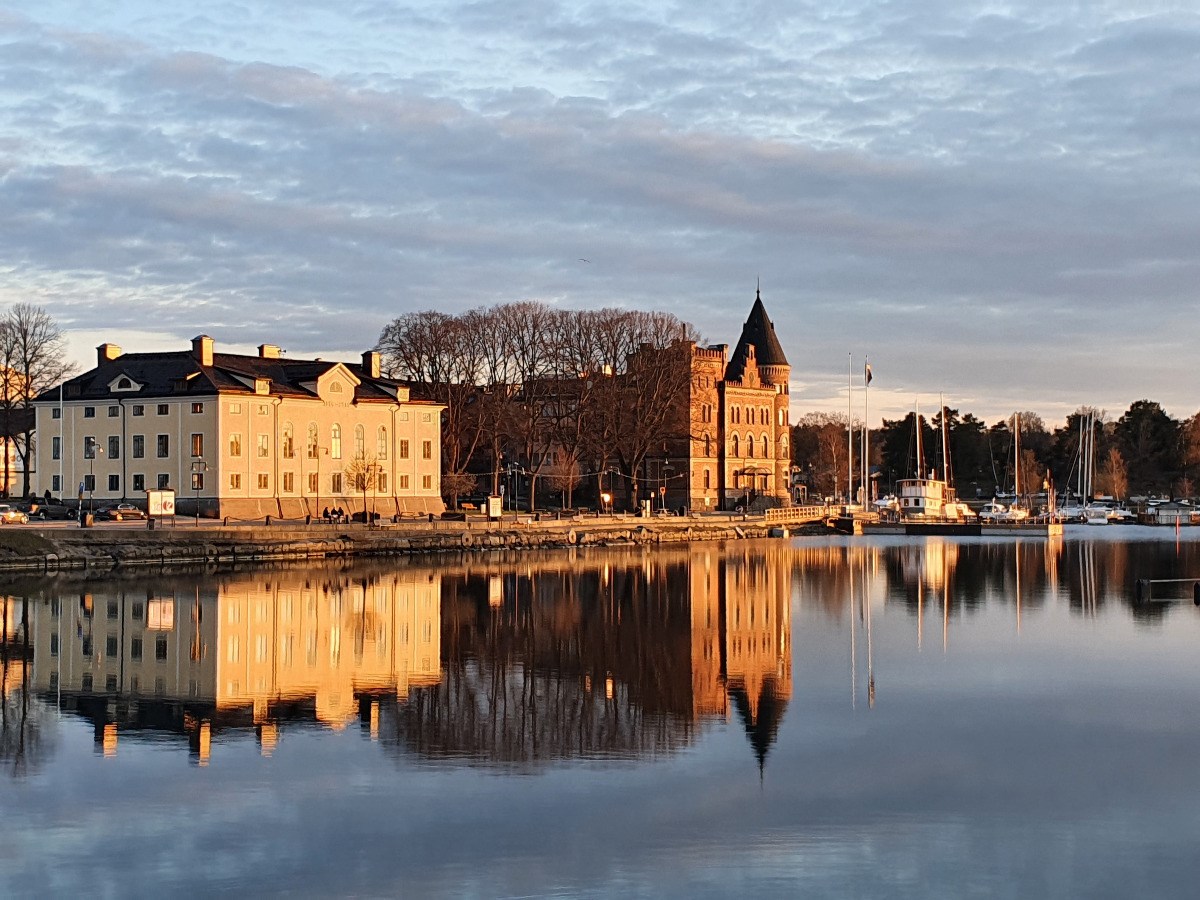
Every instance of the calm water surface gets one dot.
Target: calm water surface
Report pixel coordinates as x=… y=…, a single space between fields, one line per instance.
x=831 y=717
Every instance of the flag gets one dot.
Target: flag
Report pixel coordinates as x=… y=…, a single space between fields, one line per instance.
x=867 y=373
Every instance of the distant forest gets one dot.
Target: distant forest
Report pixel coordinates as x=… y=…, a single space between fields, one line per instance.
x=1145 y=452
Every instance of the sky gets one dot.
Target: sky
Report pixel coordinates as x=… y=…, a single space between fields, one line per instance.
x=998 y=203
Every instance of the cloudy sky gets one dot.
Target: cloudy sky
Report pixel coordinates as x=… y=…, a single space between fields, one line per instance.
x=998 y=201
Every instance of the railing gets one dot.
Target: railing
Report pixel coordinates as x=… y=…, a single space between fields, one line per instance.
x=792 y=514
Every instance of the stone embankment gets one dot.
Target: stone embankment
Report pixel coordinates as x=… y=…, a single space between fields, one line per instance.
x=108 y=548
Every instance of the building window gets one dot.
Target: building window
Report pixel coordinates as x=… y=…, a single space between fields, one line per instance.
x=264 y=481
x=335 y=442
x=404 y=449
x=403 y=482
x=56 y=413
x=160 y=648
x=235 y=482
x=164 y=446
x=263 y=409
x=235 y=408
x=89 y=447
x=289 y=482
x=114 y=411
x=139 y=482
x=54 y=645
x=427 y=482
x=162 y=409
x=197 y=445
x=89 y=482
x=426 y=417
x=314 y=483
x=56 y=483
x=89 y=412
x=734 y=446
x=139 y=409
x=381 y=484
x=311 y=443
x=85 y=683
x=56 y=447
x=135 y=648
x=749 y=447
x=164 y=481
x=114 y=483
x=197 y=407
x=707 y=479
x=197 y=481
x=114 y=447
x=289 y=441
x=110 y=645
x=139 y=446
x=426 y=449
x=264 y=446
x=336 y=482
x=360 y=442
x=381 y=443
x=235 y=445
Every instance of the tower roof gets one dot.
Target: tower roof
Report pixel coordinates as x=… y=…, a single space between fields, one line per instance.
x=759 y=330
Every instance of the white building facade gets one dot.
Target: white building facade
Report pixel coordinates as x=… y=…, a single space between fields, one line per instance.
x=240 y=436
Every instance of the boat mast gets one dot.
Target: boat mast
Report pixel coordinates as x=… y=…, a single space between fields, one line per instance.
x=1017 y=458
x=945 y=443
x=920 y=448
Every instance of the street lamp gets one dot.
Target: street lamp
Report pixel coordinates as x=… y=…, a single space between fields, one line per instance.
x=91 y=448
x=199 y=467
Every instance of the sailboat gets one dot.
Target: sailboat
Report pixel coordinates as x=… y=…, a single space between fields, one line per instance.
x=996 y=512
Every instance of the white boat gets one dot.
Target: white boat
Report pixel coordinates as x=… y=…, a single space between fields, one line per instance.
x=1095 y=515
x=931 y=499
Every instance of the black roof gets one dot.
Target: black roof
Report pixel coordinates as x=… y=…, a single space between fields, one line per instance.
x=179 y=373
x=758 y=331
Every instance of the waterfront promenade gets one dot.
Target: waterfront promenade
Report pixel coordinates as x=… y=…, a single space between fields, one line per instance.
x=185 y=542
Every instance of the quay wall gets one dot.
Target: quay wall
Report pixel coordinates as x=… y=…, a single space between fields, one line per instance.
x=103 y=549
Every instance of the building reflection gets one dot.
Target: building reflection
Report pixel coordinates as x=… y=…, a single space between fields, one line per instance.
x=243 y=655
x=618 y=655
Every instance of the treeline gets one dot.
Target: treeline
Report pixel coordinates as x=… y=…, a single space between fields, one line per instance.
x=1143 y=452
x=561 y=394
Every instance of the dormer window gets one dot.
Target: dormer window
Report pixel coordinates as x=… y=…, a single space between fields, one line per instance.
x=124 y=384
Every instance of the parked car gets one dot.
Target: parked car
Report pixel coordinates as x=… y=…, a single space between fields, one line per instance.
x=121 y=511
x=10 y=515
x=53 y=511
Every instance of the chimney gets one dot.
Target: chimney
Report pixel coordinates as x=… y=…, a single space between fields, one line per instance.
x=202 y=349
x=370 y=363
x=268 y=351
x=107 y=353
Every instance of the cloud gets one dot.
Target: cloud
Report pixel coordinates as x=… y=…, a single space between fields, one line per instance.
x=987 y=203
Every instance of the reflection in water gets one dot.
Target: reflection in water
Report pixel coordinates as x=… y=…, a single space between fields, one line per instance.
x=510 y=660
x=608 y=656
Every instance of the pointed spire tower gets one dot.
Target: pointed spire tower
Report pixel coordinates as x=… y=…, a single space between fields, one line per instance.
x=759 y=343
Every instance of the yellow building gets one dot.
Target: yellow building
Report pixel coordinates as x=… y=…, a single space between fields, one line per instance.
x=241 y=436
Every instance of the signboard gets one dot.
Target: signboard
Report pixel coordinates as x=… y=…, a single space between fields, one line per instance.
x=161 y=503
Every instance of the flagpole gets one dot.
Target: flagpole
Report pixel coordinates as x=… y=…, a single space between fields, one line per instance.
x=866 y=448
x=850 y=430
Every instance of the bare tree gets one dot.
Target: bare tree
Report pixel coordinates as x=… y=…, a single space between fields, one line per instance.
x=33 y=350
x=1113 y=476
x=363 y=473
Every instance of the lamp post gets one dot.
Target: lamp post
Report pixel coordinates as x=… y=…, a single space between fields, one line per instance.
x=199 y=467
x=91 y=448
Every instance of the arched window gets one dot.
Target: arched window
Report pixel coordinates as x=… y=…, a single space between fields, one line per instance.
x=311 y=443
x=749 y=447
x=734 y=446
x=707 y=479
x=381 y=443
x=707 y=445
x=335 y=442
x=360 y=442
x=289 y=441
x=766 y=445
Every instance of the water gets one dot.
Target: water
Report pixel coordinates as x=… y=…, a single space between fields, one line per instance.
x=842 y=717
